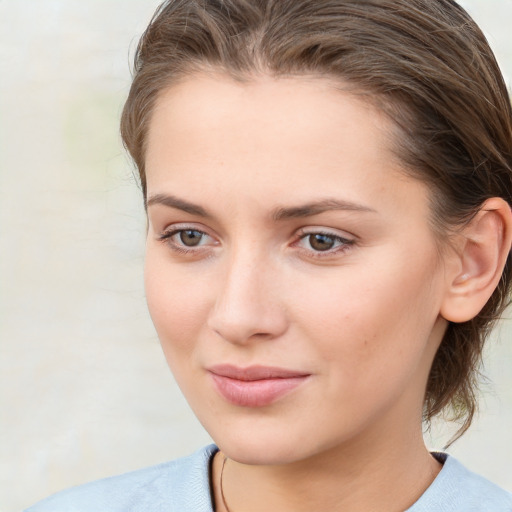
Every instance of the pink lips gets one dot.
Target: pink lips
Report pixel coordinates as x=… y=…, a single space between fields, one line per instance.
x=255 y=386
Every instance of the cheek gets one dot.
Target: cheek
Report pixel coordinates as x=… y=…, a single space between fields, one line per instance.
x=176 y=301
x=373 y=318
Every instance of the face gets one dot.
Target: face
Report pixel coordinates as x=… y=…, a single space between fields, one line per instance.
x=291 y=272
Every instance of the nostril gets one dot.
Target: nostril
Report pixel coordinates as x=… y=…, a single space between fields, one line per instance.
x=247 y=307
x=247 y=324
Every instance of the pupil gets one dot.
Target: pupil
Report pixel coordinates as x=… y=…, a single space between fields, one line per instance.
x=321 y=242
x=190 y=237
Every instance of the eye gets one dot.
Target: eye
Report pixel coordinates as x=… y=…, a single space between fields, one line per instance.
x=319 y=242
x=190 y=237
x=186 y=239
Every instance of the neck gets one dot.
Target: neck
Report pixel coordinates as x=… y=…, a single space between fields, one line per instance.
x=366 y=476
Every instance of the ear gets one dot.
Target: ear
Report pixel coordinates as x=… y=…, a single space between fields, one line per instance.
x=485 y=245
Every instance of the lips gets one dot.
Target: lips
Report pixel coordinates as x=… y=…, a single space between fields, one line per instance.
x=255 y=386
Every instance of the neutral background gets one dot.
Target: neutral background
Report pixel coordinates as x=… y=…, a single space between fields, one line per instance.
x=84 y=390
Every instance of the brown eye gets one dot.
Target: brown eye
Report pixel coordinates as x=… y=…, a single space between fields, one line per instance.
x=190 y=237
x=320 y=242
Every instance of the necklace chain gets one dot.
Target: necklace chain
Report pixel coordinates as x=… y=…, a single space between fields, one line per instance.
x=221 y=486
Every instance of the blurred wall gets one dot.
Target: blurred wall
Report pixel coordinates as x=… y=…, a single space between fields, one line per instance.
x=85 y=391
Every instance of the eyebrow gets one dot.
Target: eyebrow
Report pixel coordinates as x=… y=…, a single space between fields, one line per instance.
x=317 y=207
x=179 y=204
x=282 y=213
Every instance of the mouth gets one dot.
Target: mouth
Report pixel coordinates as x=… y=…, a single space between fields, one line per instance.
x=255 y=386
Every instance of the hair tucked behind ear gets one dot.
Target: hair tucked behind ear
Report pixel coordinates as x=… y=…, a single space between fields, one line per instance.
x=425 y=63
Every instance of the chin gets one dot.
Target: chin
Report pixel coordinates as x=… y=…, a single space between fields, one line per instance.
x=259 y=452
x=252 y=441
x=263 y=442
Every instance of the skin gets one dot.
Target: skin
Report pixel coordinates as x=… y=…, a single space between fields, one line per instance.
x=363 y=319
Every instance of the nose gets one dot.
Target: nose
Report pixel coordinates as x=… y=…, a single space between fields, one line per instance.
x=247 y=305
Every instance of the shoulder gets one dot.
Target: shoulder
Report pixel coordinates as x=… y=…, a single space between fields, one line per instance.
x=179 y=485
x=457 y=489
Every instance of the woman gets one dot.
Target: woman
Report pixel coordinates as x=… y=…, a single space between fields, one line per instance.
x=328 y=186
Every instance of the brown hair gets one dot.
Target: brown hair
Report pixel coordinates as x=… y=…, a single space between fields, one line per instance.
x=425 y=63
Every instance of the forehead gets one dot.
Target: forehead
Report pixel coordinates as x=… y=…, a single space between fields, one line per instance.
x=210 y=95
x=260 y=138
x=211 y=110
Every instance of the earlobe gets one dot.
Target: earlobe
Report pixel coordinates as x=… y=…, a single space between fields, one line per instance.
x=485 y=246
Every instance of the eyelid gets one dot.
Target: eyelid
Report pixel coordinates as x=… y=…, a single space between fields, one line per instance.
x=166 y=236
x=343 y=240
x=346 y=241
x=184 y=226
x=321 y=230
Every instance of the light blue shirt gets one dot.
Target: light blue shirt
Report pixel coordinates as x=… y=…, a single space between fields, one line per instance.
x=183 y=485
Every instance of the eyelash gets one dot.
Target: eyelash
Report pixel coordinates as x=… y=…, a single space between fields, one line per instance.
x=166 y=237
x=344 y=243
